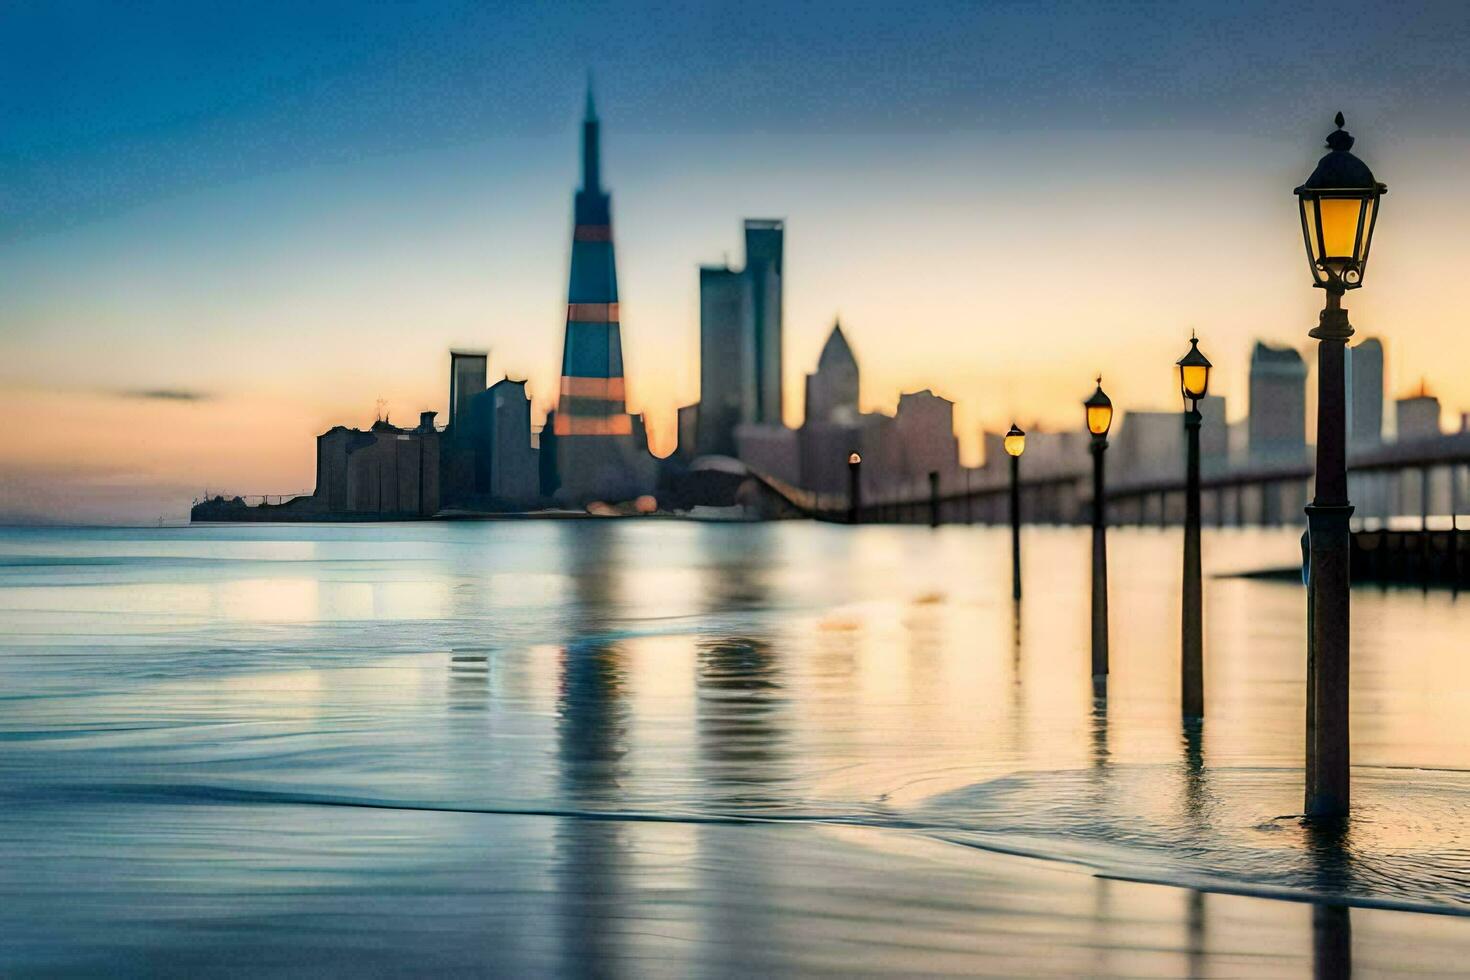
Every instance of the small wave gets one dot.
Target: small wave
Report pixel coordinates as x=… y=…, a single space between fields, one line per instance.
x=1406 y=847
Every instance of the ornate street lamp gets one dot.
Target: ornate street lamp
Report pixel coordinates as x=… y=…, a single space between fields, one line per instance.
x=1015 y=445
x=1194 y=382
x=1339 y=209
x=1099 y=420
x=854 y=491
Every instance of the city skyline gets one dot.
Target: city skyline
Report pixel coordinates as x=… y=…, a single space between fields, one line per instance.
x=233 y=311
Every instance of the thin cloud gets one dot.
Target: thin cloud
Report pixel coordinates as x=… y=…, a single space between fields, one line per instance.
x=166 y=394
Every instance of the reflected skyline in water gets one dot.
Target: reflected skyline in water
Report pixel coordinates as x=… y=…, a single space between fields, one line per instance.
x=704 y=749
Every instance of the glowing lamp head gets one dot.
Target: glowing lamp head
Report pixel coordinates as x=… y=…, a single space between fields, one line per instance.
x=1015 y=441
x=1194 y=373
x=1339 y=208
x=1099 y=412
x=854 y=459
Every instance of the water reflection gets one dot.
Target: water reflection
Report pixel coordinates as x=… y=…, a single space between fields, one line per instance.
x=1196 y=940
x=705 y=750
x=740 y=705
x=592 y=725
x=1332 y=942
x=1198 y=801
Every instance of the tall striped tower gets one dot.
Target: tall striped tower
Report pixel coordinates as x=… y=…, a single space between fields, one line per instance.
x=591 y=401
x=597 y=451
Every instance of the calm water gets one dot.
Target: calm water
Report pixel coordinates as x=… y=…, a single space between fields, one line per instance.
x=671 y=749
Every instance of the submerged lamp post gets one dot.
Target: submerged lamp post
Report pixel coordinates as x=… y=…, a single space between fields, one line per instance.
x=1194 y=382
x=1099 y=420
x=1015 y=445
x=854 y=492
x=1339 y=208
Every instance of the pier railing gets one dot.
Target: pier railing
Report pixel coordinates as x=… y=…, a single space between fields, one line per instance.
x=1424 y=484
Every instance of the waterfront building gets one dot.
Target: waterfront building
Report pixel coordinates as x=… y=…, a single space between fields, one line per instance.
x=467 y=375
x=385 y=471
x=1417 y=417
x=773 y=450
x=1145 y=446
x=740 y=341
x=1278 y=404
x=923 y=437
x=599 y=452
x=832 y=390
x=726 y=359
x=1365 y=394
x=1214 y=434
x=1149 y=446
x=506 y=474
x=765 y=246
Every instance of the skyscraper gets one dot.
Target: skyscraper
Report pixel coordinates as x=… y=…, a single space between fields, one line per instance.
x=740 y=341
x=764 y=248
x=592 y=398
x=466 y=380
x=832 y=390
x=600 y=453
x=727 y=388
x=1365 y=399
x=1278 y=404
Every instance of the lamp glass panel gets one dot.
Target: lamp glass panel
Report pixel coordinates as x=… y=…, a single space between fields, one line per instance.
x=1015 y=445
x=1309 y=232
x=1339 y=216
x=1370 y=207
x=1194 y=379
x=1099 y=419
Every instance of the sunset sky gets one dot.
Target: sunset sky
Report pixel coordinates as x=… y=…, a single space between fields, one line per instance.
x=225 y=228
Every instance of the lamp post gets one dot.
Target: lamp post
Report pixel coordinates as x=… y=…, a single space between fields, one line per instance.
x=1339 y=208
x=1099 y=420
x=1015 y=445
x=1194 y=381
x=854 y=486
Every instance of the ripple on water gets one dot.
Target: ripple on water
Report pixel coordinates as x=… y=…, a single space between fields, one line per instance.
x=1230 y=829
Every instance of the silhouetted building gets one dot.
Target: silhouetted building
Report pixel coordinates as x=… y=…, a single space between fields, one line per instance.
x=1047 y=453
x=386 y=471
x=923 y=436
x=764 y=249
x=773 y=450
x=1365 y=394
x=1145 y=446
x=726 y=359
x=688 y=426
x=467 y=377
x=547 y=452
x=1417 y=417
x=599 y=455
x=1214 y=434
x=1150 y=445
x=825 y=447
x=740 y=341
x=505 y=464
x=832 y=390
x=1278 y=403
